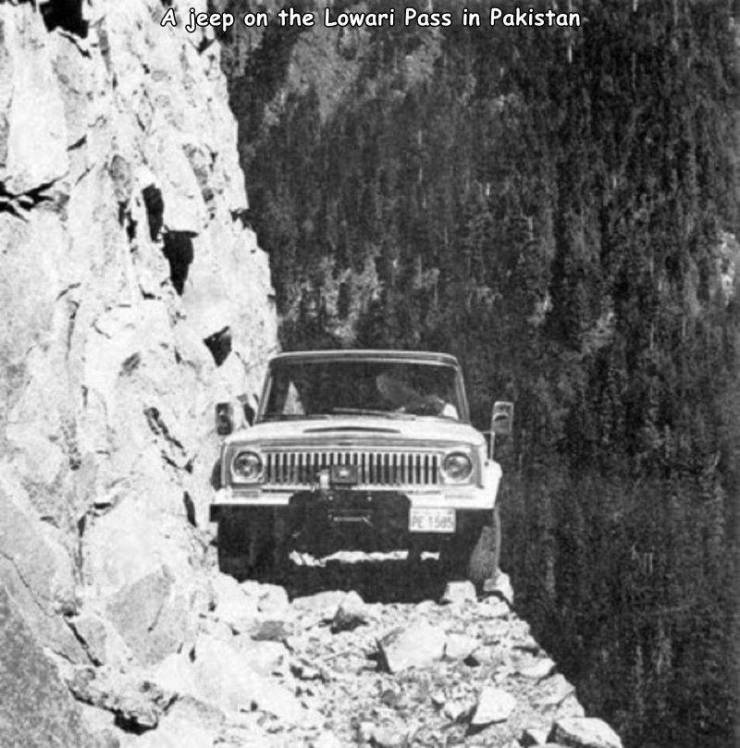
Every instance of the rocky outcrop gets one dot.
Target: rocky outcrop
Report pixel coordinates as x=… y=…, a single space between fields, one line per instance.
x=36 y=709
x=134 y=298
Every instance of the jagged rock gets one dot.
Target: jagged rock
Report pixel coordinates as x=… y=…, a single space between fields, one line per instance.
x=532 y=736
x=100 y=723
x=482 y=656
x=175 y=673
x=271 y=598
x=189 y=723
x=137 y=703
x=318 y=608
x=458 y=711
x=351 y=613
x=494 y=705
x=382 y=735
x=266 y=657
x=537 y=670
x=500 y=586
x=215 y=628
x=438 y=698
x=570 y=707
x=36 y=708
x=495 y=607
x=36 y=569
x=153 y=606
x=388 y=737
x=503 y=673
x=304 y=671
x=102 y=642
x=327 y=740
x=460 y=646
x=584 y=732
x=271 y=631
x=224 y=677
x=233 y=607
x=34 y=112
x=459 y=592
x=413 y=647
x=197 y=712
x=177 y=733
x=150 y=616
x=391 y=697
x=555 y=690
x=524 y=641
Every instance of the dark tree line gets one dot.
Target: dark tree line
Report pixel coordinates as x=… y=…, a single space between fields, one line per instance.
x=553 y=208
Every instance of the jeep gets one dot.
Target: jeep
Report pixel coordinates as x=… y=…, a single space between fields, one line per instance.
x=359 y=449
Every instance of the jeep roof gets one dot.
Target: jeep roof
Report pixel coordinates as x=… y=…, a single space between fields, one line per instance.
x=368 y=354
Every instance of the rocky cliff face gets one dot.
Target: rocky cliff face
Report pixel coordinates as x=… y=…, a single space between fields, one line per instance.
x=134 y=296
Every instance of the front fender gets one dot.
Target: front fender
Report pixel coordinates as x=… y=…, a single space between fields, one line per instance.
x=491 y=478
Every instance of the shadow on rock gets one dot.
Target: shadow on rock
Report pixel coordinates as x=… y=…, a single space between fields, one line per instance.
x=386 y=580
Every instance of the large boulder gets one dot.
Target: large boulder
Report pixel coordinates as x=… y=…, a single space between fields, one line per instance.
x=36 y=709
x=222 y=674
x=494 y=705
x=141 y=576
x=584 y=732
x=233 y=605
x=138 y=704
x=415 y=646
x=34 y=149
x=36 y=568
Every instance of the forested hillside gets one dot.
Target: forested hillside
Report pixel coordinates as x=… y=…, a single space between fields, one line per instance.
x=557 y=209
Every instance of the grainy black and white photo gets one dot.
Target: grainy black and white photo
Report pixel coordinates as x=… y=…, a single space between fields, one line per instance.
x=369 y=373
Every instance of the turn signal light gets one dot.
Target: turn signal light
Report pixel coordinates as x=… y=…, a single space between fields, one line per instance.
x=224 y=419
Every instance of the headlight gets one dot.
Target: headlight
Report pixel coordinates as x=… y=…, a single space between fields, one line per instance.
x=247 y=466
x=457 y=467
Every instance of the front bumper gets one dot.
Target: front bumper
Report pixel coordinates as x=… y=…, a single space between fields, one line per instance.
x=453 y=497
x=321 y=522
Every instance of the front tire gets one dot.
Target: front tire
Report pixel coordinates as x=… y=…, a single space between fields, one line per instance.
x=486 y=553
x=474 y=553
x=246 y=544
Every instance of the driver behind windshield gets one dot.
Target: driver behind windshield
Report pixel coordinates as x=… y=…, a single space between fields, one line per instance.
x=401 y=397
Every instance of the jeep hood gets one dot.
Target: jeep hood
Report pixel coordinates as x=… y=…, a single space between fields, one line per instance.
x=359 y=430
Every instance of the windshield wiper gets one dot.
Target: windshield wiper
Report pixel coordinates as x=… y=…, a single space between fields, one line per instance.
x=294 y=416
x=369 y=412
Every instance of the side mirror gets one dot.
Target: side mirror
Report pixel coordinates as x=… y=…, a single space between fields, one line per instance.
x=249 y=414
x=502 y=418
x=224 y=419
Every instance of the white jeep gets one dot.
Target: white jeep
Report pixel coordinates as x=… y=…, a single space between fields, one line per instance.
x=360 y=449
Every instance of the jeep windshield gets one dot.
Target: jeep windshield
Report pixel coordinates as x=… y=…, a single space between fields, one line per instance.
x=391 y=389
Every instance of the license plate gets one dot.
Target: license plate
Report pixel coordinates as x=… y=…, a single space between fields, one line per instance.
x=434 y=519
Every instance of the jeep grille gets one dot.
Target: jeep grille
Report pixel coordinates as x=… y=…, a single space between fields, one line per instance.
x=374 y=468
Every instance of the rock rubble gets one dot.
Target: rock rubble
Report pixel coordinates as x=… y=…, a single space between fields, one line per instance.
x=387 y=680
